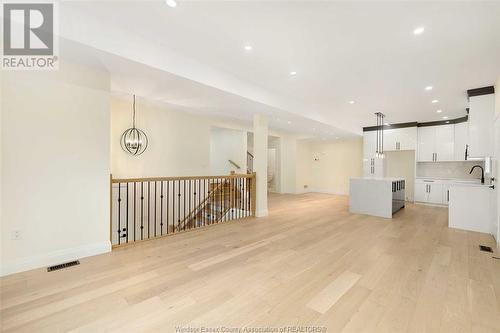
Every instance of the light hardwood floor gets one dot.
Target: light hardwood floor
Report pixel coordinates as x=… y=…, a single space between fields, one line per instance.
x=310 y=262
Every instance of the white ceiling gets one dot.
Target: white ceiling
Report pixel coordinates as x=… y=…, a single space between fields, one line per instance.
x=342 y=51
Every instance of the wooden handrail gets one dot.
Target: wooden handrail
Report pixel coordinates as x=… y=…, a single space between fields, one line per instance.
x=152 y=179
x=197 y=209
x=234 y=163
x=145 y=211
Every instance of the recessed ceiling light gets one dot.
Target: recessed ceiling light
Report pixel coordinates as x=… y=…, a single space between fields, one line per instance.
x=351 y=102
x=428 y=88
x=418 y=30
x=289 y=122
x=171 y=3
x=248 y=47
x=293 y=73
x=445 y=117
x=439 y=111
x=434 y=101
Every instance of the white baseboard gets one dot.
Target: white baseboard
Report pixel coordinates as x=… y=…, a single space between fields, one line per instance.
x=54 y=258
x=261 y=213
x=327 y=191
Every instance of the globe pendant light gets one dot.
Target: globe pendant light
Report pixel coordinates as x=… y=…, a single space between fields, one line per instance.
x=134 y=141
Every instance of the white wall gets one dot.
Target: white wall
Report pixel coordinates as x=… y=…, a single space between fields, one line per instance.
x=303 y=167
x=55 y=166
x=227 y=144
x=179 y=143
x=288 y=166
x=338 y=161
x=495 y=227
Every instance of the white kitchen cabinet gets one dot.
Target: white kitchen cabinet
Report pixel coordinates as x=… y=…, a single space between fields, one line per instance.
x=436 y=143
x=369 y=144
x=400 y=139
x=461 y=141
x=420 y=192
x=426 y=143
x=481 y=116
x=373 y=167
x=445 y=140
x=430 y=191
x=435 y=194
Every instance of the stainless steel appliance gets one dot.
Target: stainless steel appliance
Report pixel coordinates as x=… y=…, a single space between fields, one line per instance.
x=398 y=195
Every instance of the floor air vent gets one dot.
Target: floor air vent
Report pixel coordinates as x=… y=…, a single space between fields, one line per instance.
x=61 y=266
x=485 y=248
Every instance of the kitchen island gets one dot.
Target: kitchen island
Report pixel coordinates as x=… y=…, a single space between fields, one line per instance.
x=376 y=196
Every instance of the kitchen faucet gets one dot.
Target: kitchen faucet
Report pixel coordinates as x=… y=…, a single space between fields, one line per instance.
x=482 y=172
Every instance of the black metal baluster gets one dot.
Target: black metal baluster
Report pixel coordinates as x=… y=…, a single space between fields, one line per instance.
x=204 y=218
x=184 y=203
x=210 y=190
x=167 y=203
x=142 y=210
x=196 y=203
x=155 y=207
x=149 y=208
x=135 y=207
x=240 y=181
x=119 y=213
x=189 y=201
x=127 y=228
x=161 y=208
x=173 y=206
x=179 y=204
x=233 y=198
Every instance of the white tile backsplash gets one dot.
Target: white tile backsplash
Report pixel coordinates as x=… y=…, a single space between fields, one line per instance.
x=448 y=169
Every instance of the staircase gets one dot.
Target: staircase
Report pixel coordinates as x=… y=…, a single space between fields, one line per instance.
x=223 y=198
x=146 y=208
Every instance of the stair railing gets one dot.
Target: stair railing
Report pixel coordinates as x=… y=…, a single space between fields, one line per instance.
x=249 y=162
x=146 y=208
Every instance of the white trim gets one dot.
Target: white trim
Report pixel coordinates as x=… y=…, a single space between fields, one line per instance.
x=327 y=191
x=54 y=258
x=261 y=213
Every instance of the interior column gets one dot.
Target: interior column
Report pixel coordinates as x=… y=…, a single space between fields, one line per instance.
x=260 y=162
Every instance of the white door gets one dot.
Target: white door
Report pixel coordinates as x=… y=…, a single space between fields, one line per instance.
x=421 y=192
x=435 y=193
x=426 y=143
x=461 y=139
x=445 y=140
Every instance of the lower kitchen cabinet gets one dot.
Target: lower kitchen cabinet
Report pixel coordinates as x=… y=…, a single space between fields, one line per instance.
x=430 y=191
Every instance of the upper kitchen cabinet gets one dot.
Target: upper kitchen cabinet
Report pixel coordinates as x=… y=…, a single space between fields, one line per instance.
x=461 y=140
x=445 y=141
x=481 y=116
x=369 y=144
x=426 y=143
x=436 y=143
x=400 y=139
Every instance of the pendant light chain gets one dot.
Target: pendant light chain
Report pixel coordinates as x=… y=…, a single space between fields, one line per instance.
x=133 y=117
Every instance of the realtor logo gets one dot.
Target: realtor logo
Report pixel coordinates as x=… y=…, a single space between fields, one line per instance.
x=29 y=36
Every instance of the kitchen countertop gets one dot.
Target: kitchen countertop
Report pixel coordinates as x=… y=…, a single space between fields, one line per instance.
x=389 y=179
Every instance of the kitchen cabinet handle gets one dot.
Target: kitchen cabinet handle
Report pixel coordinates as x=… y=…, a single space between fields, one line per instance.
x=448 y=195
